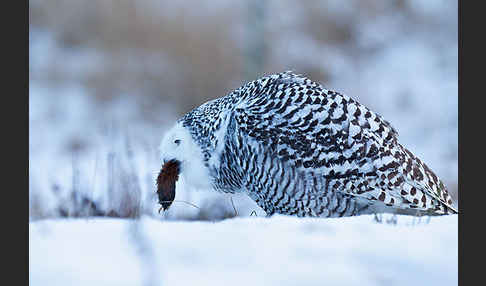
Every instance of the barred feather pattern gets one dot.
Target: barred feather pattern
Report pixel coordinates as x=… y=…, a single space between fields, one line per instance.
x=298 y=148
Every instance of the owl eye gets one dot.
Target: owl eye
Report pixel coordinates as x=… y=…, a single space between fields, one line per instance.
x=177 y=141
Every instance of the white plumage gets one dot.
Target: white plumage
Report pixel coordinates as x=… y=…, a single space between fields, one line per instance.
x=298 y=148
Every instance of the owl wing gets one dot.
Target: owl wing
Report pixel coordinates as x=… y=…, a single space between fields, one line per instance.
x=330 y=135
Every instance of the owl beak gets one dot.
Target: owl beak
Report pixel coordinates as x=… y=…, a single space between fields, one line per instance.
x=166 y=182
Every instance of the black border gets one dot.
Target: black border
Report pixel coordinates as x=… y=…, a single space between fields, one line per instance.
x=470 y=264
x=15 y=115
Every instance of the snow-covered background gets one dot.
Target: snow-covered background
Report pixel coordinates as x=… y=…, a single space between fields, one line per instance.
x=107 y=78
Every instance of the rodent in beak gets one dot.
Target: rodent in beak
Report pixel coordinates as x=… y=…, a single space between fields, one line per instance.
x=166 y=181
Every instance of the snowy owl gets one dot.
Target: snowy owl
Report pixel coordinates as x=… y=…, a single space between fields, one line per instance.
x=297 y=148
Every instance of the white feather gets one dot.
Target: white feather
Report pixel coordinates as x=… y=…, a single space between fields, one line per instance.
x=193 y=171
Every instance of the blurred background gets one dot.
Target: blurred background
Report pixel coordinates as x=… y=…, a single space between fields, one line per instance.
x=107 y=78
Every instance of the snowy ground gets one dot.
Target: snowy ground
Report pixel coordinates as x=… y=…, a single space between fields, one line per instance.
x=244 y=251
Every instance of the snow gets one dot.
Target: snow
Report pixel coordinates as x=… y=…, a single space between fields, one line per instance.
x=280 y=250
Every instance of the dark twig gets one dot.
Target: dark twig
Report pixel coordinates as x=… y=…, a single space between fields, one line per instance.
x=234 y=208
